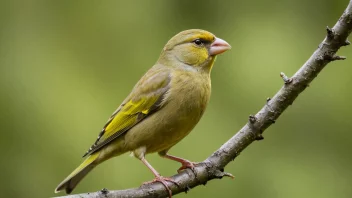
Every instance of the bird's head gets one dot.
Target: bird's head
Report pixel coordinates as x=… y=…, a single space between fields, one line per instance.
x=196 y=48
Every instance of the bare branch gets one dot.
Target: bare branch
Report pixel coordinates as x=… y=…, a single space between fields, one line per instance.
x=213 y=166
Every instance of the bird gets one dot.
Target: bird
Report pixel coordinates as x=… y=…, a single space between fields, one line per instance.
x=162 y=108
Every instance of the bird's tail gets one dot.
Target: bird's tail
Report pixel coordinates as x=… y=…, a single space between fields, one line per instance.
x=78 y=174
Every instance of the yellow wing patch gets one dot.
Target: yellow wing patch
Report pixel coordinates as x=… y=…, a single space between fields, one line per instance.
x=128 y=115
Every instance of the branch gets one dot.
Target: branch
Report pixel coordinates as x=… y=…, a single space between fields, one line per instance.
x=213 y=166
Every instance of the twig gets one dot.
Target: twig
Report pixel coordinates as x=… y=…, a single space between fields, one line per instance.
x=213 y=166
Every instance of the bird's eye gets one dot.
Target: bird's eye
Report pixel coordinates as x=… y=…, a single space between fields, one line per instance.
x=198 y=42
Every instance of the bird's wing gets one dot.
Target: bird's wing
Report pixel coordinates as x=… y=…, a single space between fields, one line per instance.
x=147 y=97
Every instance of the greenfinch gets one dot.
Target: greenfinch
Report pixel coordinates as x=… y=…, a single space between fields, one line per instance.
x=163 y=107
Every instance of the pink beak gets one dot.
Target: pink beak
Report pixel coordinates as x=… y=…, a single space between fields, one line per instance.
x=219 y=46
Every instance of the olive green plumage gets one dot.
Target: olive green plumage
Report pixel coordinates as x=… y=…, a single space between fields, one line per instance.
x=163 y=107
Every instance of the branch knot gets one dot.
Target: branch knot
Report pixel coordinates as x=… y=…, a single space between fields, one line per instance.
x=286 y=79
x=330 y=33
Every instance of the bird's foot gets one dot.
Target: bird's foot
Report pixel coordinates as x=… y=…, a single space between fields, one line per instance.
x=191 y=165
x=187 y=164
x=163 y=181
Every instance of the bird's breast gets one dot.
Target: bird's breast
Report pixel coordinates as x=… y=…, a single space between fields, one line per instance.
x=190 y=92
x=187 y=100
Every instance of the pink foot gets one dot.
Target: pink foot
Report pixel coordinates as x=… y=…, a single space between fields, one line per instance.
x=163 y=181
x=187 y=164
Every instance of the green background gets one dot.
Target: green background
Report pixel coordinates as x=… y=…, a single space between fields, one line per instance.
x=66 y=65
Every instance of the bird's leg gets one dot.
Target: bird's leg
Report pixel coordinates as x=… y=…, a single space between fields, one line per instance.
x=185 y=163
x=159 y=178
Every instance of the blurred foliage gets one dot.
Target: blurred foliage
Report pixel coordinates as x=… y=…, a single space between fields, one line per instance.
x=66 y=65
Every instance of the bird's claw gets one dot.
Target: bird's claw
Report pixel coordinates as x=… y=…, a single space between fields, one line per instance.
x=163 y=181
x=191 y=165
x=187 y=164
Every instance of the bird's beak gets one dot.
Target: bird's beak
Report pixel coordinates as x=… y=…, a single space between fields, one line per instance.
x=218 y=46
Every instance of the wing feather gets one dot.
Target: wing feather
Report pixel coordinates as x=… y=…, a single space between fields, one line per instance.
x=146 y=98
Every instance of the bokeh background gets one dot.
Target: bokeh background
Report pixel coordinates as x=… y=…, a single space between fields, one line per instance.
x=66 y=65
